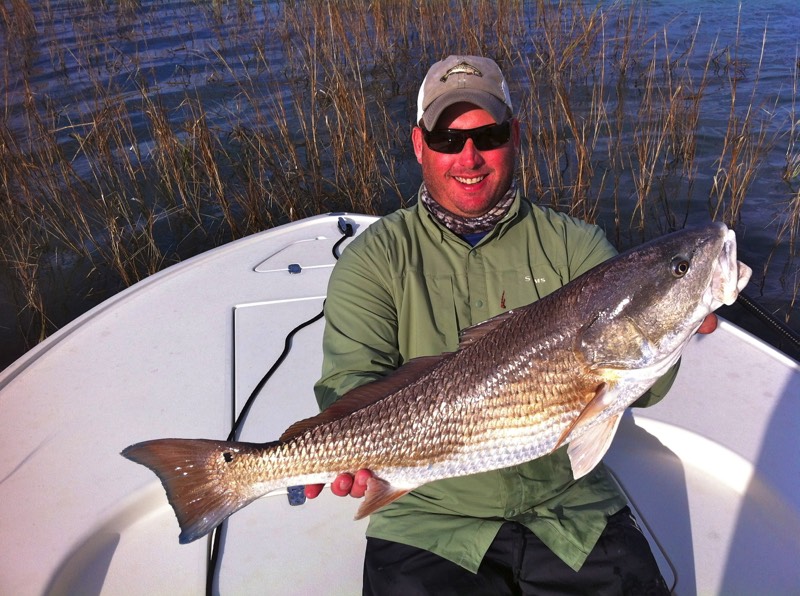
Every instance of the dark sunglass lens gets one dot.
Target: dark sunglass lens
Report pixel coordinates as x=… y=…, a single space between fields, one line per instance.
x=492 y=137
x=445 y=141
x=452 y=141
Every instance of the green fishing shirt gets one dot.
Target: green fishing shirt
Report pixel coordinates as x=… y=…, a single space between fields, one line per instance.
x=405 y=288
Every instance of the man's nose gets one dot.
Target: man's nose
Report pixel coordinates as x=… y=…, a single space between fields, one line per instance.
x=470 y=156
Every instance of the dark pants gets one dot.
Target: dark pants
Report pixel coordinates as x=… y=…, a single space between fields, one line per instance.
x=519 y=563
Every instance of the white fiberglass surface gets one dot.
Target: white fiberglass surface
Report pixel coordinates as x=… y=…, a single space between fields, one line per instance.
x=155 y=361
x=293 y=550
x=714 y=469
x=721 y=525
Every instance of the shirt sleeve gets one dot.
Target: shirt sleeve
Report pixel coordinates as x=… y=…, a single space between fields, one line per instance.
x=360 y=338
x=587 y=249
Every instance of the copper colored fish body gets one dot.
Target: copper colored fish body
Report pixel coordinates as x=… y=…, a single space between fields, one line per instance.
x=561 y=370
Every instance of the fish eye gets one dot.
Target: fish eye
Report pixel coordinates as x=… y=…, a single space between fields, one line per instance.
x=679 y=266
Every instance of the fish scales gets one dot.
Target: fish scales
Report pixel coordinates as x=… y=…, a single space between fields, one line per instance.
x=557 y=372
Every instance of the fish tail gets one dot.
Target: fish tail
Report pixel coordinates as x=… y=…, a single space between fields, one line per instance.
x=197 y=478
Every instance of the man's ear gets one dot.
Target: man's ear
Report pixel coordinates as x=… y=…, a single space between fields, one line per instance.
x=418 y=142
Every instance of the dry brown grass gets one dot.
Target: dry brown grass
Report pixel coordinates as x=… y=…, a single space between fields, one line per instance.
x=139 y=170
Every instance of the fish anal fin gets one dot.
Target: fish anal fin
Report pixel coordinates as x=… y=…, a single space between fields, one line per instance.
x=586 y=451
x=595 y=406
x=367 y=394
x=379 y=494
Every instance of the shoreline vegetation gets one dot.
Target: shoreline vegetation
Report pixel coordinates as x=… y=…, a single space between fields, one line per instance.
x=120 y=156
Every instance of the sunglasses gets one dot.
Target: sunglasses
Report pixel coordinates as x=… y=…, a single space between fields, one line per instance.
x=452 y=140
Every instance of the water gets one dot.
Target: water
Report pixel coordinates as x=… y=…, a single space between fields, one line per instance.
x=158 y=52
x=767 y=61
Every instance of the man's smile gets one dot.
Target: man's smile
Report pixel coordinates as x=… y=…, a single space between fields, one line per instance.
x=474 y=180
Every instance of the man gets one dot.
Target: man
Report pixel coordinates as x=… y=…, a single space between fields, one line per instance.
x=469 y=249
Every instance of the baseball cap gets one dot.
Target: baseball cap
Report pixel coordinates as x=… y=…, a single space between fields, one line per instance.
x=471 y=79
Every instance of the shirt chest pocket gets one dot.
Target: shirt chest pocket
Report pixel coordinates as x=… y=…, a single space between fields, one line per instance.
x=428 y=318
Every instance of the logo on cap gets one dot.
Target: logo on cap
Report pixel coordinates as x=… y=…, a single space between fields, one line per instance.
x=461 y=68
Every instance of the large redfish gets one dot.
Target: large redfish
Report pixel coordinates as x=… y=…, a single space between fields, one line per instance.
x=560 y=370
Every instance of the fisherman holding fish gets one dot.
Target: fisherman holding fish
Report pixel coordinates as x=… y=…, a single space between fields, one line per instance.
x=479 y=354
x=473 y=247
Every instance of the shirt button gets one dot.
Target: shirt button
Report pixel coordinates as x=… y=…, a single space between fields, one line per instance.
x=479 y=303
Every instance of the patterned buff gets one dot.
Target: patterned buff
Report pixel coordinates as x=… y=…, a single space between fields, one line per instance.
x=469 y=225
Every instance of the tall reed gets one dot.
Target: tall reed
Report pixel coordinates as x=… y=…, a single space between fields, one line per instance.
x=113 y=166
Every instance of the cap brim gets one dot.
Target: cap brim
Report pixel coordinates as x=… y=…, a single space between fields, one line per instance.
x=486 y=101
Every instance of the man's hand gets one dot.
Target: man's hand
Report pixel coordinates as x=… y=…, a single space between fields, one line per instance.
x=709 y=324
x=344 y=484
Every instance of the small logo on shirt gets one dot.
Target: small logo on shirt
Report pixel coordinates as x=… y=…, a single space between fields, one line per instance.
x=537 y=280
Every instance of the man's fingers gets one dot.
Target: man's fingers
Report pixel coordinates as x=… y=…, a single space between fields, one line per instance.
x=360 y=483
x=312 y=490
x=342 y=484
x=709 y=324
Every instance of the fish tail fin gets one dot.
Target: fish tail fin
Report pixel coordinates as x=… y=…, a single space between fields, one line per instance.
x=194 y=473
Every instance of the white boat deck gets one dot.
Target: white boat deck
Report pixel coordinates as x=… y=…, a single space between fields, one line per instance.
x=714 y=470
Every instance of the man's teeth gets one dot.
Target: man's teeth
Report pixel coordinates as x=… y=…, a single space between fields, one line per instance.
x=469 y=180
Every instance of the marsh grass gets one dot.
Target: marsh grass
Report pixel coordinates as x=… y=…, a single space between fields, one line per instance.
x=112 y=169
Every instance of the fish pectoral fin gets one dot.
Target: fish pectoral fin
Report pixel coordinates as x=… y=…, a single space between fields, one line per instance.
x=595 y=406
x=379 y=493
x=588 y=447
x=586 y=451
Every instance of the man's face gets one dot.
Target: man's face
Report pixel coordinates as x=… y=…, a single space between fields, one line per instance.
x=471 y=182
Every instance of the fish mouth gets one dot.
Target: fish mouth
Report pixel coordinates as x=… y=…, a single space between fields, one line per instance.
x=729 y=276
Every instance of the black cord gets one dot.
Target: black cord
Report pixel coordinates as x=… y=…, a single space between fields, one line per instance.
x=347 y=230
x=214 y=555
x=287 y=346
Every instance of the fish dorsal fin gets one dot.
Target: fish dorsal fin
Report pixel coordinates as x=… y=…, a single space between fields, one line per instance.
x=363 y=396
x=474 y=333
x=586 y=451
x=379 y=493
